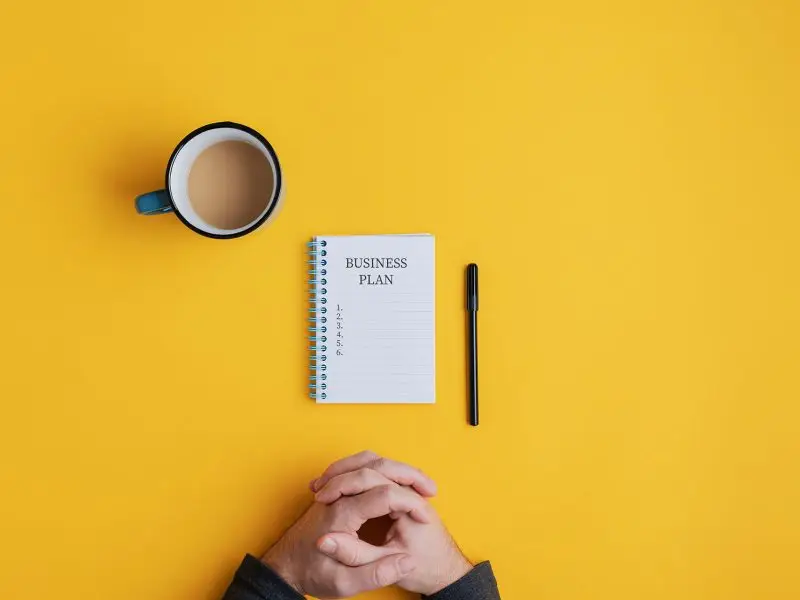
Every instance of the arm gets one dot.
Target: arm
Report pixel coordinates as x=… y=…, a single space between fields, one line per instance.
x=478 y=584
x=256 y=581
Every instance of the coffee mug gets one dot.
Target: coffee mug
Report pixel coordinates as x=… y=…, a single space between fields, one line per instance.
x=220 y=150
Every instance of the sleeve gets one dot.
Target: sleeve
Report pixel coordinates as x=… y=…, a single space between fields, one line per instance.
x=478 y=584
x=256 y=581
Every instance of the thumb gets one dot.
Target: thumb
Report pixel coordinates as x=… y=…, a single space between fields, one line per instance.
x=351 y=551
x=379 y=574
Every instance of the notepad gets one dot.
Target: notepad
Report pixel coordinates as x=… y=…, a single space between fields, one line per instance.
x=372 y=317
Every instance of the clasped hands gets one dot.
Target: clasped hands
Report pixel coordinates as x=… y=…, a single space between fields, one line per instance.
x=321 y=554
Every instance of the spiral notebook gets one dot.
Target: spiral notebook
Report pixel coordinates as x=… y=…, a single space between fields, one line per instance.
x=372 y=319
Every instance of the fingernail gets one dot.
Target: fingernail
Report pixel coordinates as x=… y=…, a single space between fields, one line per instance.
x=406 y=565
x=312 y=485
x=328 y=546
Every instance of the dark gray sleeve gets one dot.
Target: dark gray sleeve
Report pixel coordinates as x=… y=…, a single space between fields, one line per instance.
x=478 y=584
x=256 y=581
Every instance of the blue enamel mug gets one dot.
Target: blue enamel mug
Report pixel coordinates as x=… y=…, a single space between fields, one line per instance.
x=175 y=198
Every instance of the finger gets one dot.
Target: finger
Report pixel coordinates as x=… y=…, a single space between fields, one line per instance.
x=343 y=465
x=351 y=551
x=375 y=575
x=396 y=471
x=354 y=511
x=350 y=484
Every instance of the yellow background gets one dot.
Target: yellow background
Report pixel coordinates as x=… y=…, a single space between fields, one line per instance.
x=625 y=173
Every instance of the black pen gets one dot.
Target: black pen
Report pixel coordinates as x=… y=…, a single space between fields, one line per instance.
x=472 y=340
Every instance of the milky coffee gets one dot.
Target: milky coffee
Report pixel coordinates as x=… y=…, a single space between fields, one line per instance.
x=230 y=184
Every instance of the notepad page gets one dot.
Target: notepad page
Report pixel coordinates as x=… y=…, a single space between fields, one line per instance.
x=379 y=300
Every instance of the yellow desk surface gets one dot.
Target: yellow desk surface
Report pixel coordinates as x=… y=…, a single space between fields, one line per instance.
x=625 y=173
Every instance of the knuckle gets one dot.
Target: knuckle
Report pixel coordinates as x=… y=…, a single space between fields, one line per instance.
x=377 y=463
x=369 y=475
x=369 y=454
x=384 y=574
x=385 y=493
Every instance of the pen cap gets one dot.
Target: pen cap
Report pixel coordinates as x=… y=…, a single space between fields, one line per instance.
x=472 y=286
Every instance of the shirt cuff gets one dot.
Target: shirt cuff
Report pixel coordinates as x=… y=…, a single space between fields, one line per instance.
x=258 y=579
x=478 y=584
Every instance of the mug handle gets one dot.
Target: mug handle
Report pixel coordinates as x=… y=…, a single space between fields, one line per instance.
x=153 y=203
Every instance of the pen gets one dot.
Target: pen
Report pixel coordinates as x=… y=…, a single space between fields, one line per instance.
x=472 y=340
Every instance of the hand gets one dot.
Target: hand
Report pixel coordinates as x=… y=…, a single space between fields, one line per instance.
x=438 y=560
x=398 y=472
x=296 y=559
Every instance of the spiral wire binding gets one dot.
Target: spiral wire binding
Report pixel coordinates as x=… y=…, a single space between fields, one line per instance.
x=317 y=319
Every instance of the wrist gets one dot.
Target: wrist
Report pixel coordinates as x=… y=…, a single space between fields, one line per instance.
x=454 y=570
x=281 y=564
